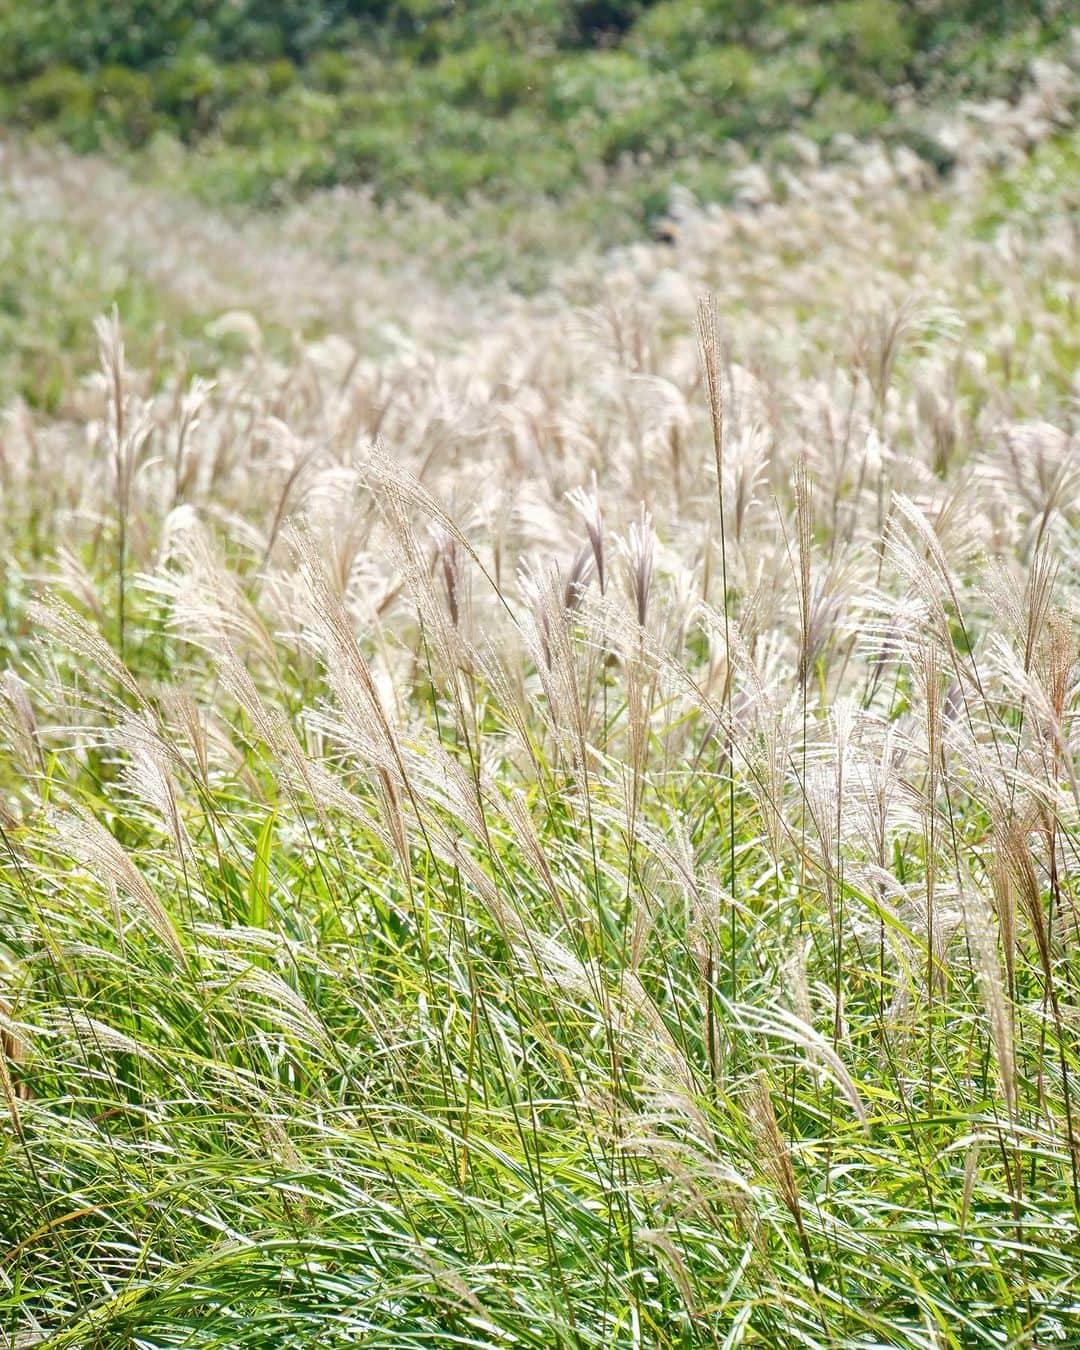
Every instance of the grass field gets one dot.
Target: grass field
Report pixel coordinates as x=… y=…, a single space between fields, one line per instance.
x=545 y=819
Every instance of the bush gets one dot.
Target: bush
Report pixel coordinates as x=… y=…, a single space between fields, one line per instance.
x=593 y=81
x=676 y=31
x=371 y=151
x=192 y=92
x=454 y=172
x=280 y=75
x=634 y=131
x=60 y=95
x=783 y=89
x=868 y=43
x=253 y=122
x=841 y=111
x=525 y=26
x=124 y=100
x=720 y=76
x=487 y=75
x=331 y=71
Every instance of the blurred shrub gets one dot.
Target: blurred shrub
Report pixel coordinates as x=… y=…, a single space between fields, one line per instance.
x=124 y=104
x=525 y=26
x=61 y=95
x=783 y=89
x=192 y=90
x=489 y=76
x=842 y=111
x=280 y=74
x=678 y=30
x=595 y=81
x=720 y=75
x=868 y=42
x=331 y=71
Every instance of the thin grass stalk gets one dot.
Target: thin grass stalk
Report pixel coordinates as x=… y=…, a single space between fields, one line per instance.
x=711 y=351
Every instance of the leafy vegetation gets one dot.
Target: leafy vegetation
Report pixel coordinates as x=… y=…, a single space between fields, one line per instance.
x=513 y=99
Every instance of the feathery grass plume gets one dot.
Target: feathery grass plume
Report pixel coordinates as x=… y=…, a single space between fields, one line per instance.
x=1018 y=854
x=804 y=529
x=587 y=505
x=348 y=671
x=1035 y=607
x=797 y=984
x=913 y=567
x=446 y=652
x=930 y=539
x=1043 y=466
x=403 y=488
x=577 y=579
x=395 y=820
x=299 y=459
x=182 y=717
x=1058 y=656
x=711 y=349
x=555 y=659
x=771 y=725
x=995 y=1000
x=774 y=1151
x=25 y=736
x=278 y=735
x=258 y=992
x=638 y=551
x=74 y=578
x=56 y=617
x=444 y=783
x=1004 y=898
x=127 y=430
x=967 y=671
x=510 y=698
x=7 y=1086
x=1061 y=655
x=675 y=851
x=149 y=776
x=779 y=1023
x=879 y=341
x=1043 y=760
x=102 y=1038
x=819 y=800
x=91 y=844
x=747 y=456
x=525 y=833
x=208 y=603
x=14 y=1045
x=186 y=461
x=655 y=1240
x=449 y=562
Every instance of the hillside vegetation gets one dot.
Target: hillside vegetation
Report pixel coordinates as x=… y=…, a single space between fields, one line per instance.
x=513 y=101
x=540 y=815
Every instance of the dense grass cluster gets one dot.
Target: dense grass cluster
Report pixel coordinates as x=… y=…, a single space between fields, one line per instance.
x=519 y=100
x=553 y=822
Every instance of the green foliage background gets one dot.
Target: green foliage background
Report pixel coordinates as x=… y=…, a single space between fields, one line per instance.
x=513 y=98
